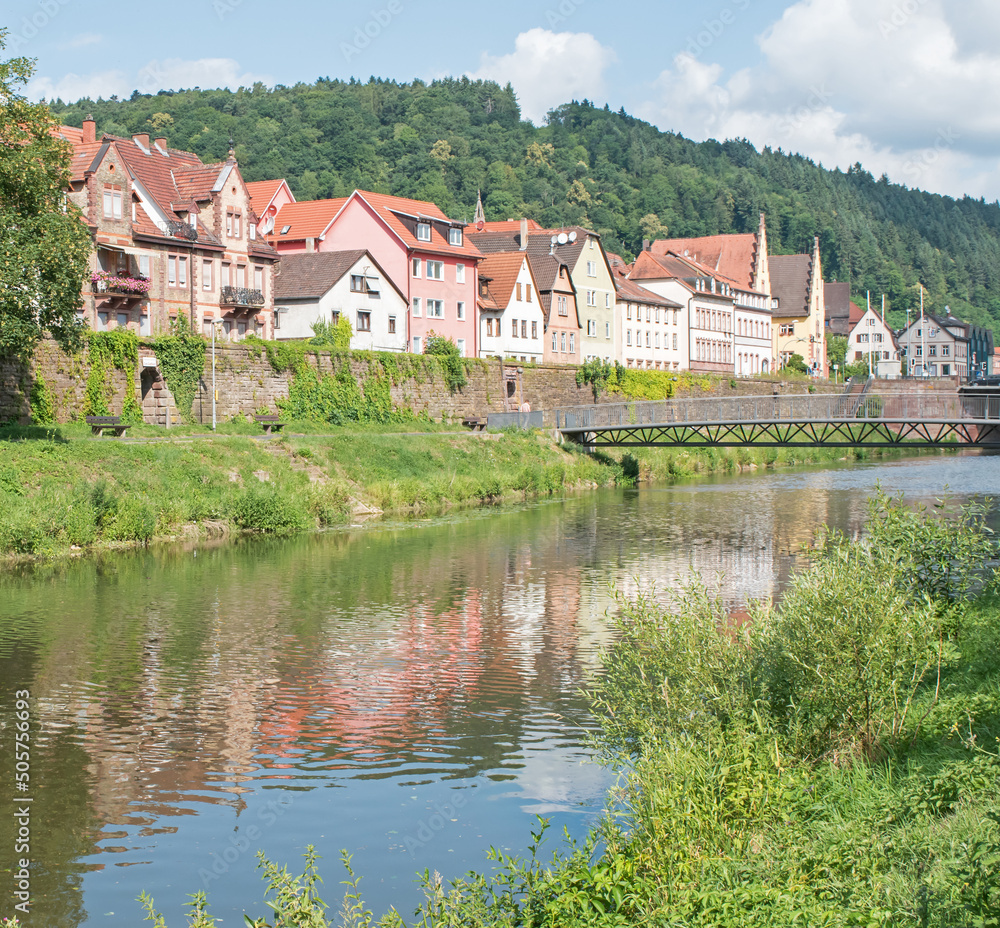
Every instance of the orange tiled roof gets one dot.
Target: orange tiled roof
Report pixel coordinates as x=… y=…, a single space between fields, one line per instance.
x=630 y=291
x=503 y=269
x=730 y=255
x=507 y=226
x=262 y=192
x=393 y=211
x=309 y=219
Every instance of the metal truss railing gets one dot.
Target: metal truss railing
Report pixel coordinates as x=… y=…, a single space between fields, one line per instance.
x=930 y=419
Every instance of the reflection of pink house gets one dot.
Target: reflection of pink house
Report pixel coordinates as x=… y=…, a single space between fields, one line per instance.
x=424 y=253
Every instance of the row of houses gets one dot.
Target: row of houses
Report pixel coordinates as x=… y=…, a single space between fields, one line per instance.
x=930 y=345
x=177 y=239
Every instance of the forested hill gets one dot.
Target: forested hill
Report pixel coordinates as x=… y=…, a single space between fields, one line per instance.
x=446 y=140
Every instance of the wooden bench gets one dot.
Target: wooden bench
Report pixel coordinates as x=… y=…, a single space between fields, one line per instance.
x=100 y=424
x=269 y=423
x=476 y=423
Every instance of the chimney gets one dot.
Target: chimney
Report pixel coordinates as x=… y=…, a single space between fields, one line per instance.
x=161 y=143
x=645 y=244
x=142 y=138
x=524 y=235
x=89 y=129
x=310 y=245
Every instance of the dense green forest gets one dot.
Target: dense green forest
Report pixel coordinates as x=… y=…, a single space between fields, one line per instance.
x=623 y=177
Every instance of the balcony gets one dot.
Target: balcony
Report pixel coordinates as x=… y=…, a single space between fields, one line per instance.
x=241 y=298
x=119 y=285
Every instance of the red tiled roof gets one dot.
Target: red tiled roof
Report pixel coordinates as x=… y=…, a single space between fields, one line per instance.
x=195 y=183
x=730 y=255
x=630 y=291
x=309 y=219
x=393 y=210
x=503 y=269
x=856 y=314
x=262 y=192
x=508 y=226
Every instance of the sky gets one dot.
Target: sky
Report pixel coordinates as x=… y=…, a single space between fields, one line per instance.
x=906 y=87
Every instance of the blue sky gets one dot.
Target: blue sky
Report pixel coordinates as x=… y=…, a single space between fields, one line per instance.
x=904 y=86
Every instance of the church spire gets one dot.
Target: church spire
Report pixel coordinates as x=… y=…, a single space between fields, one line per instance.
x=480 y=220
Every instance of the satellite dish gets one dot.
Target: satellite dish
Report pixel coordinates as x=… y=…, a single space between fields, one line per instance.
x=572 y=236
x=480 y=225
x=267 y=225
x=555 y=239
x=563 y=238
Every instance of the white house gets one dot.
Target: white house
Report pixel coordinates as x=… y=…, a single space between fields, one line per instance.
x=871 y=340
x=325 y=286
x=511 y=316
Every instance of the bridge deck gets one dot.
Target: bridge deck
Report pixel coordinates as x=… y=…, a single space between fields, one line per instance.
x=841 y=420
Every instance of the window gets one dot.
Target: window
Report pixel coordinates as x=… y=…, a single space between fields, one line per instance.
x=628 y=311
x=607 y=330
x=455 y=237
x=435 y=309
x=258 y=279
x=648 y=340
x=932 y=352
x=647 y=314
x=144 y=324
x=524 y=328
x=392 y=325
x=628 y=337
x=607 y=301
x=946 y=370
x=226 y=278
x=435 y=270
x=112 y=201
x=675 y=341
x=177 y=266
x=489 y=326
x=527 y=289
x=416 y=306
x=364 y=322
x=460 y=344
x=656 y=315
x=102 y=322
x=572 y=342
x=945 y=351
x=534 y=330
x=357 y=283
x=787 y=329
x=121 y=320
x=562 y=342
x=518 y=294
x=241 y=329
x=206 y=275
x=563 y=305
x=591 y=268
x=416 y=344
x=459 y=268
x=461 y=310
x=554 y=343
x=233 y=219
x=591 y=297
x=144 y=266
x=241 y=276
x=423 y=231
x=657 y=340
x=513 y=328
x=253 y=231
x=592 y=328
x=416 y=267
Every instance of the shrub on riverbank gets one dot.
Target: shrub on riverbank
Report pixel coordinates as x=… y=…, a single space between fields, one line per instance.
x=833 y=762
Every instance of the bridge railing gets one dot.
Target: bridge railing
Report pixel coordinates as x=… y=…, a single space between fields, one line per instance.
x=816 y=407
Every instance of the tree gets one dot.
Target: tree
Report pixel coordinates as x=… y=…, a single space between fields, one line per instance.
x=44 y=245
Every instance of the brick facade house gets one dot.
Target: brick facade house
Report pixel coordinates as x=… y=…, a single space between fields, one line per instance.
x=173 y=238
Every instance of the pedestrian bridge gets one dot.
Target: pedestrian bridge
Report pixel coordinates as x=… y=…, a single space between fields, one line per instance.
x=935 y=420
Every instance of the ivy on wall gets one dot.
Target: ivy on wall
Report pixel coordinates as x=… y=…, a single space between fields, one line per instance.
x=107 y=352
x=182 y=362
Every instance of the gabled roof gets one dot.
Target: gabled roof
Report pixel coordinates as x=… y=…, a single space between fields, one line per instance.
x=309 y=219
x=311 y=276
x=856 y=314
x=658 y=267
x=504 y=228
x=733 y=256
x=503 y=270
x=401 y=215
x=262 y=192
x=790 y=280
x=196 y=183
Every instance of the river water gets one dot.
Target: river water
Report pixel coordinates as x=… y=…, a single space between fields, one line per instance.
x=409 y=692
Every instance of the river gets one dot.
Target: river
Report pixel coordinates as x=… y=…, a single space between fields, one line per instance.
x=408 y=691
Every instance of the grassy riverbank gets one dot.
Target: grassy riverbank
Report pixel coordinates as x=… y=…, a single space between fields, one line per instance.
x=61 y=490
x=833 y=762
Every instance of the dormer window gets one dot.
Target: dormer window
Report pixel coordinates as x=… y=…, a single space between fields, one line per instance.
x=423 y=231
x=455 y=237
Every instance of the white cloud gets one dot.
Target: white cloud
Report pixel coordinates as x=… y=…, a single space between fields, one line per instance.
x=549 y=68
x=168 y=74
x=900 y=85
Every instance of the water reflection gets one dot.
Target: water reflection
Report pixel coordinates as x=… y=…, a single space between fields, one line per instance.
x=410 y=691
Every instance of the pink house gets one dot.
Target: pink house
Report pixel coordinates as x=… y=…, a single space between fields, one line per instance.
x=423 y=252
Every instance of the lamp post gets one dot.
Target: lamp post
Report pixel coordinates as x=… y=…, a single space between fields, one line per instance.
x=215 y=323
